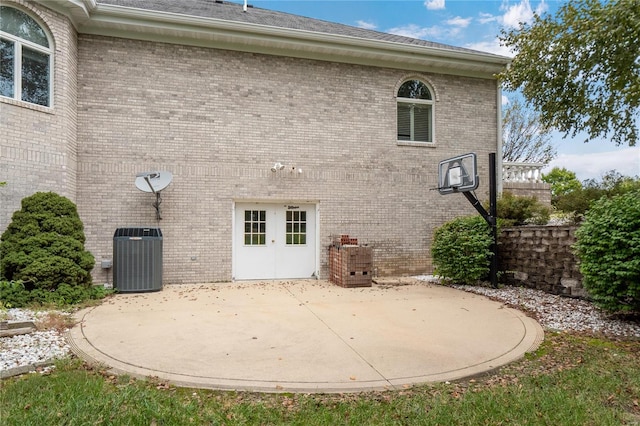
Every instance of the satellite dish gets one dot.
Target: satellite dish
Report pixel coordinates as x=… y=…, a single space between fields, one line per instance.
x=153 y=181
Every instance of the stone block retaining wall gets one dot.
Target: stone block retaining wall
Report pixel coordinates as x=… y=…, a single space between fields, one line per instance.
x=541 y=257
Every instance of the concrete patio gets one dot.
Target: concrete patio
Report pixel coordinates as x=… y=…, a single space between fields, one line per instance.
x=303 y=336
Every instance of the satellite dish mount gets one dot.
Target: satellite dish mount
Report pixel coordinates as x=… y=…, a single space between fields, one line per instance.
x=154 y=182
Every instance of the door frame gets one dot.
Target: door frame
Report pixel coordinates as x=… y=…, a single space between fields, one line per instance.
x=234 y=247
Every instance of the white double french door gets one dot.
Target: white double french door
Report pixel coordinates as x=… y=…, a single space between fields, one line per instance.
x=274 y=241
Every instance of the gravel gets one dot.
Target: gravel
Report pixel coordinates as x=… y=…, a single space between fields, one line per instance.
x=34 y=349
x=552 y=312
x=555 y=312
x=561 y=313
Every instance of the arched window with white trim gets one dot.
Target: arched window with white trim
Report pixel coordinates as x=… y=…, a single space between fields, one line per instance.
x=415 y=112
x=25 y=54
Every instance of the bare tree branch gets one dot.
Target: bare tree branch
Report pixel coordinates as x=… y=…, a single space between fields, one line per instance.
x=525 y=138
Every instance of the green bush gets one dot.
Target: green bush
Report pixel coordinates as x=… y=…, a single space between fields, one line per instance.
x=43 y=246
x=461 y=250
x=514 y=210
x=14 y=294
x=608 y=246
x=579 y=201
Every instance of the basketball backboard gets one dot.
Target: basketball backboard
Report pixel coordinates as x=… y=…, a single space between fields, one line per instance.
x=458 y=174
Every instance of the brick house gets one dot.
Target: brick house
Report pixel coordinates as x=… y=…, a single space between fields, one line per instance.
x=93 y=92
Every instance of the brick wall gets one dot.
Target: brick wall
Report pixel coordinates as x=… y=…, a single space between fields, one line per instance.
x=38 y=144
x=218 y=120
x=541 y=257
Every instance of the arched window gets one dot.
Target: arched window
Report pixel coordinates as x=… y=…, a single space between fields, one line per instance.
x=25 y=53
x=415 y=112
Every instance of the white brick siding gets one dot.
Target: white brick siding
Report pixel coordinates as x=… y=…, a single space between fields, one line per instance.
x=218 y=120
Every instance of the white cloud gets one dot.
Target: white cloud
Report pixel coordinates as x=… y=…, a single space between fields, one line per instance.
x=485 y=18
x=520 y=12
x=625 y=161
x=459 y=22
x=416 y=31
x=366 y=25
x=493 y=46
x=542 y=7
x=454 y=28
x=505 y=100
x=434 y=4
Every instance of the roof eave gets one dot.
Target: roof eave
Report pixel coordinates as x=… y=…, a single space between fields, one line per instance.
x=78 y=11
x=118 y=21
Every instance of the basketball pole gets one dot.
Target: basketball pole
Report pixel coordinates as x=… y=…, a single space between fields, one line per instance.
x=491 y=217
x=493 y=213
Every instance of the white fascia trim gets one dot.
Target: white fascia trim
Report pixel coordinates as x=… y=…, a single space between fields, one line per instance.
x=78 y=11
x=121 y=21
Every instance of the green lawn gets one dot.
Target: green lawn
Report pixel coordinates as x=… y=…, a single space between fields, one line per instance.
x=570 y=380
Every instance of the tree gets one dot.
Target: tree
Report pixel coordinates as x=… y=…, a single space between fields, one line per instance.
x=614 y=183
x=571 y=197
x=43 y=246
x=562 y=181
x=525 y=138
x=580 y=68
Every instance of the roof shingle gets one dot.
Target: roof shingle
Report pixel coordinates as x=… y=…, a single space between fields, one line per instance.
x=229 y=11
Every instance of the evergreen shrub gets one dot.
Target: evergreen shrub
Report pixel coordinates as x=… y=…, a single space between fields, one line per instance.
x=43 y=246
x=14 y=294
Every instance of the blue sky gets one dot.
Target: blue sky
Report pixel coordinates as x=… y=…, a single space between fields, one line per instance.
x=471 y=24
